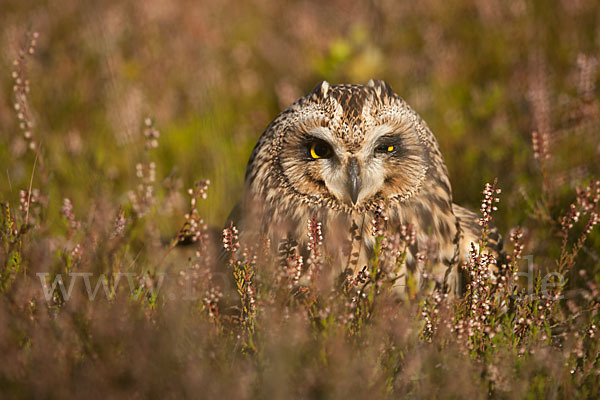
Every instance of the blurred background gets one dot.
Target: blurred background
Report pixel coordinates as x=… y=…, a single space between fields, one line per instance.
x=212 y=74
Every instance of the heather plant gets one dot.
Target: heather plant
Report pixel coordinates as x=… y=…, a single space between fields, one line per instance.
x=117 y=282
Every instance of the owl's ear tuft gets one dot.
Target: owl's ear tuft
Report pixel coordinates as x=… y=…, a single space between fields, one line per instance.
x=320 y=90
x=381 y=87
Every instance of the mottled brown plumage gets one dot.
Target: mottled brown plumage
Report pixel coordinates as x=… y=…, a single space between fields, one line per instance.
x=338 y=154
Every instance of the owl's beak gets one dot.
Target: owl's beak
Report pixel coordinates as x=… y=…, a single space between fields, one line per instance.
x=354 y=183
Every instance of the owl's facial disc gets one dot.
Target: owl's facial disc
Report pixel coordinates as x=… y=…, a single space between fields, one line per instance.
x=354 y=166
x=386 y=163
x=354 y=176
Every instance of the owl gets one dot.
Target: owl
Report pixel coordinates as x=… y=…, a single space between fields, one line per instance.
x=343 y=155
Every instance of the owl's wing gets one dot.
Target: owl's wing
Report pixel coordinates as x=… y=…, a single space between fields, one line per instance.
x=471 y=233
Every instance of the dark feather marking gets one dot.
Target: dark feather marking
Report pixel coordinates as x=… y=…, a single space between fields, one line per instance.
x=424 y=216
x=443 y=228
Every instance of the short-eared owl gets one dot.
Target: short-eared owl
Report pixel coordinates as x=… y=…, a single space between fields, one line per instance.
x=340 y=154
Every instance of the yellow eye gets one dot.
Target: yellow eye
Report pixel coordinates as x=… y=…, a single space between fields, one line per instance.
x=385 y=148
x=320 y=150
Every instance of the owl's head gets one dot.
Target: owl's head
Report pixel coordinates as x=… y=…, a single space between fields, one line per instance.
x=346 y=147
